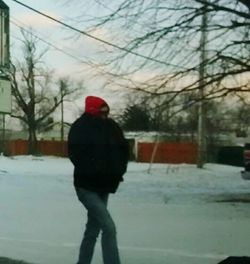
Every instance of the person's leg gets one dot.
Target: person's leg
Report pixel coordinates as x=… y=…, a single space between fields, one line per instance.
x=89 y=240
x=96 y=204
x=109 y=242
x=110 y=251
x=92 y=227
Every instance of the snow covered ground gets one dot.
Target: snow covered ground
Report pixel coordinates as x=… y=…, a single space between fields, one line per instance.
x=173 y=214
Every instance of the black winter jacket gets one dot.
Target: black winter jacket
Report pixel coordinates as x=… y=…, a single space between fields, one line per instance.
x=99 y=153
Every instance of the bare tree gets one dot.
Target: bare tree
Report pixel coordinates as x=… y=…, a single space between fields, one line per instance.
x=158 y=47
x=241 y=116
x=161 y=38
x=36 y=97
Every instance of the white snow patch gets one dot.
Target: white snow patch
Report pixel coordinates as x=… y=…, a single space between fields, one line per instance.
x=169 y=214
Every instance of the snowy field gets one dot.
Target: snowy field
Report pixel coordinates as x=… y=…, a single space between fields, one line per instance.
x=171 y=214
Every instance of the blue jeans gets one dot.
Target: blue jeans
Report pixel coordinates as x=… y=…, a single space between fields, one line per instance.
x=98 y=219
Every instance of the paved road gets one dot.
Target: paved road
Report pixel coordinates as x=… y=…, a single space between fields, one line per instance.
x=48 y=230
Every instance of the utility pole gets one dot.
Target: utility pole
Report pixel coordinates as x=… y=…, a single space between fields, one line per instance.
x=3 y=135
x=5 y=86
x=202 y=83
x=62 y=89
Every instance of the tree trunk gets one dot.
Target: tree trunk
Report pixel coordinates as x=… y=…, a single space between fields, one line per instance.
x=32 y=141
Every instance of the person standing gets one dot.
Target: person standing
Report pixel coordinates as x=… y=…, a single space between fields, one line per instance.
x=99 y=152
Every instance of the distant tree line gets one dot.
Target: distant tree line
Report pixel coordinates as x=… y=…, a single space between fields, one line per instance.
x=222 y=118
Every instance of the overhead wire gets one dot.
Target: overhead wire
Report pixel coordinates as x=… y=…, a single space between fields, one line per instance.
x=45 y=41
x=97 y=38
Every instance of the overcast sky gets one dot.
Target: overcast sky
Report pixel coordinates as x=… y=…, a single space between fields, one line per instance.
x=51 y=32
x=61 y=41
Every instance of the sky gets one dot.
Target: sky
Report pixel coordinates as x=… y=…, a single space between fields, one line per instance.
x=68 y=51
x=44 y=28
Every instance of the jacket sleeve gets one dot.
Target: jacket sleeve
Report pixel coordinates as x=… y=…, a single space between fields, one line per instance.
x=79 y=149
x=125 y=151
x=123 y=146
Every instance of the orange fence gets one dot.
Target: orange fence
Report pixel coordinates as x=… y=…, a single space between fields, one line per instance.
x=174 y=152
x=56 y=148
x=16 y=147
x=45 y=147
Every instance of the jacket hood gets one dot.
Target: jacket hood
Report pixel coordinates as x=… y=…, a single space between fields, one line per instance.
x=93 y=105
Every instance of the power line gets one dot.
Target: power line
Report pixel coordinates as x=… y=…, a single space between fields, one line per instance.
x=47 y=42
x=96 y=38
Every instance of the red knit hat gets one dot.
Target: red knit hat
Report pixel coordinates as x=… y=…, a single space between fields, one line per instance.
x=94 y=104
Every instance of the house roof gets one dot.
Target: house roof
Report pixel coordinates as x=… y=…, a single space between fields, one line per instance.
x=3 y=5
